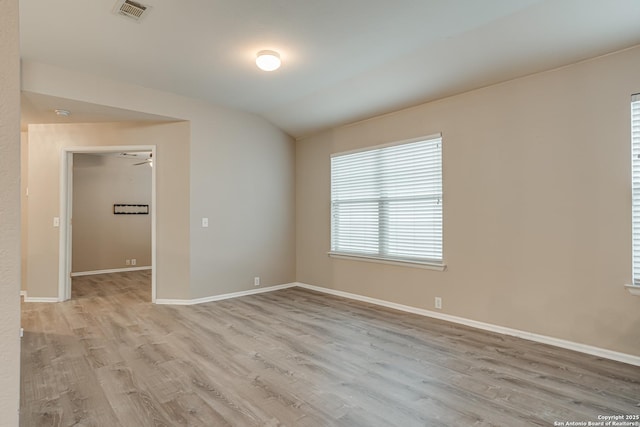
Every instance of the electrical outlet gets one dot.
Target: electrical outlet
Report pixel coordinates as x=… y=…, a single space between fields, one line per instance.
x=127 y=262
x=256 y=281
x=438 y=303
x=205 y=222
x=133 y=261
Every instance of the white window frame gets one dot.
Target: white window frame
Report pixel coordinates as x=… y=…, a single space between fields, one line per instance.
x=635 y=186
x=382 y=254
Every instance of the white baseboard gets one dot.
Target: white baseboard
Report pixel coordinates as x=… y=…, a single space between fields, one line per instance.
x=570 y=345
x=113 y=270
x=26 y=298
x=40 y=299
x=224 y=296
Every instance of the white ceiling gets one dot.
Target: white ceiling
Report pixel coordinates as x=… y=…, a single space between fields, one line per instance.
x=343 y=60
x=39 y=108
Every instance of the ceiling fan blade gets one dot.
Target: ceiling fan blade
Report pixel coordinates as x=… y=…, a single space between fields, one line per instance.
x=146 y=161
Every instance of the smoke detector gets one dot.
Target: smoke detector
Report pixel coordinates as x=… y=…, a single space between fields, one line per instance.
x=131 y=9
x=62 y=113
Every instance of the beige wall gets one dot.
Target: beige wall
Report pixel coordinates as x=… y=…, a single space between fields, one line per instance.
x=241 y=173
x=102 y=240
x=9 y=213
x=24 y=230
x=172 y=181
x=537 y=209
x=243 y=181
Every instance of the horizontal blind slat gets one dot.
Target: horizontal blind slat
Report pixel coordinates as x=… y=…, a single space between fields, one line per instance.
x=635 y=177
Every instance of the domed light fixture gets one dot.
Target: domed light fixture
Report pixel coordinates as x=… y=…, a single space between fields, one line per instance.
x=268 y=60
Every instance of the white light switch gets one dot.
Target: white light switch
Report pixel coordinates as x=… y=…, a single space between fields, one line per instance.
x=205 y=222
x=56 y=221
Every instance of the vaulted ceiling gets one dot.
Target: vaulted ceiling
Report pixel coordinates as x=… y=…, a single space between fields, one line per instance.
x=343 y=60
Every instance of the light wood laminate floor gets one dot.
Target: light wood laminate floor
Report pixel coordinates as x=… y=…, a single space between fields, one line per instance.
x=108 y=357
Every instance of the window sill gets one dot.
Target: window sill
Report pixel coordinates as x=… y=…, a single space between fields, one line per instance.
x=417 y=264
x=633 y=289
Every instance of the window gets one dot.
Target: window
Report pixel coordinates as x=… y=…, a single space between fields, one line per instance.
x=386 y=203
x=635 y=178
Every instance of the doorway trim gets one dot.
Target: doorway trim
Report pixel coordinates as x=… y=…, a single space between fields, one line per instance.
x=66 y=204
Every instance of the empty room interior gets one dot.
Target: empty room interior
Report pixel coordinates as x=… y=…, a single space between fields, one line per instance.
x=332 y=213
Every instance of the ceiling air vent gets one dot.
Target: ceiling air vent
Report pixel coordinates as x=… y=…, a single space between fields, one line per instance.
x=131 y=9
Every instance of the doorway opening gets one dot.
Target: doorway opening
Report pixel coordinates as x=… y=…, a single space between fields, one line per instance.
x=67 y=207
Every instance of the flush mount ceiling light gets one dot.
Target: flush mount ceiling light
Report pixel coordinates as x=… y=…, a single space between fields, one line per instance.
x=268 y=60
x=62 y=113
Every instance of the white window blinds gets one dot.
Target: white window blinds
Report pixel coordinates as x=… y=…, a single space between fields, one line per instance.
x=387 y=202
x=635 y=177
